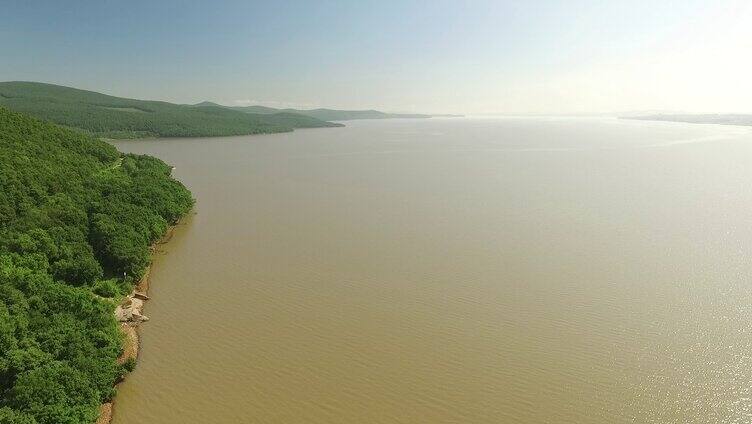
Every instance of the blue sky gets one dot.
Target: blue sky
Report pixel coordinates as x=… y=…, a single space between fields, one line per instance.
x=552 y=56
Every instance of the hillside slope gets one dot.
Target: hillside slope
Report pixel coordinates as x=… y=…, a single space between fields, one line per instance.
x=76 y=222
x=116 y=117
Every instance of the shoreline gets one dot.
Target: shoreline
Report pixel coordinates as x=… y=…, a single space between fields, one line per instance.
x=129 y=327
x=693 y=119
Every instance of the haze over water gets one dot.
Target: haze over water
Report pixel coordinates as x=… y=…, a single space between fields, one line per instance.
x=454 y=270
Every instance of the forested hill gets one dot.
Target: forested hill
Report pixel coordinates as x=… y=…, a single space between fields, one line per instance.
x=116 y=117
x=327 y=114
x=76 y=222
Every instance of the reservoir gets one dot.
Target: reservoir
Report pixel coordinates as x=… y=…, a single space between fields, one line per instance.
x=469 y=270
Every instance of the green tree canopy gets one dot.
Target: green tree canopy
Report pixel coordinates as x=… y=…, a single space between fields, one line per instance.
x=75 y=215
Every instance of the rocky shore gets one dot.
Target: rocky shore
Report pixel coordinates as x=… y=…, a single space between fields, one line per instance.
x=129 y=313
x=130 y=310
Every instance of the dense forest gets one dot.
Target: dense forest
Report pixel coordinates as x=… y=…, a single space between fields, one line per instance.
x=323 y=114
x=115 y=117
x=77 y=219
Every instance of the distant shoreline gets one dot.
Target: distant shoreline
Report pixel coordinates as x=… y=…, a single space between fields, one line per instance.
x=717 y=119
x=119 y=118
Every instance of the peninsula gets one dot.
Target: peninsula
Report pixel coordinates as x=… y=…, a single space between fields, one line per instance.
x=329 y=114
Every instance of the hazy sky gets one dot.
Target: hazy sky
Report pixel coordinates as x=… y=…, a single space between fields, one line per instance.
x=556 y=56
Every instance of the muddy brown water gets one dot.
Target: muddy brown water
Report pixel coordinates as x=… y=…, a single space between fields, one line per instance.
x=531 y=270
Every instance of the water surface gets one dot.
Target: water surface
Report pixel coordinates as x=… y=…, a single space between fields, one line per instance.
x=454 y=271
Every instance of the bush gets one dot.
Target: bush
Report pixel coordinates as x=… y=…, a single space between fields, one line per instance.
x=106 y=288
x=129 y=364
x=10 y=416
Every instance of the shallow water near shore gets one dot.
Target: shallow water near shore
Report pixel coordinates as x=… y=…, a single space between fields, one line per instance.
x=530 y=270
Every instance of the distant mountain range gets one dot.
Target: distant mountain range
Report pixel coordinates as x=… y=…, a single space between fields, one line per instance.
x=723 y=119
x=326 y=114
x=116 y=117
